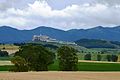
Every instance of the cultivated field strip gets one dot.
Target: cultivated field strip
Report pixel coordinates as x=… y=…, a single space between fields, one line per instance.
x=3 y=63
x=96 y=61
x=61 y=76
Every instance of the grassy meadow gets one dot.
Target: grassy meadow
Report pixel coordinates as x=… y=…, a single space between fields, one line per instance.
x=82 y=66
x=90 y=66
x=5 y=64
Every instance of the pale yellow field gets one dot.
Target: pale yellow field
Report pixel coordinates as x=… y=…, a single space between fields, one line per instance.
x=9 y=48
x=60 y=76
x=9 y=62
x=96 y=61
x=2 y=63
x=11 y=51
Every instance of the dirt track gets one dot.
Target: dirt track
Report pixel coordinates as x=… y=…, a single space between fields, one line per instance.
x=60 y=76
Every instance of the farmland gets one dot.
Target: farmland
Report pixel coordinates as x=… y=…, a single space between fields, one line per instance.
x=82 y=66
x=98 y=70
x=61 y=76
x=94 y=65
x=103 y=65
x=91 y=66
x=10 y=48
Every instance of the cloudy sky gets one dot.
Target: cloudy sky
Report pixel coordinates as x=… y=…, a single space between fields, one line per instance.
x=61 y=14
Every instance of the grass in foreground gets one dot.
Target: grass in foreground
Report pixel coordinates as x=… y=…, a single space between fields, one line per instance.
x=82 y=66
x=6 y=67
x=91 y=66
x=87 y=66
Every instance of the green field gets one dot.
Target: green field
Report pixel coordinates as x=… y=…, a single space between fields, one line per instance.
x=6 y=68
x=8 y=47
x=91 y=66
x=82 y=66
x=87 y=66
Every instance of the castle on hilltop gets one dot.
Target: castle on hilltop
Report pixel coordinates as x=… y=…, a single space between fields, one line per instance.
x=44 y=38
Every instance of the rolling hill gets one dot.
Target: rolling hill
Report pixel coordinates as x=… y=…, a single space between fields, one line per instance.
x=12 y=35
x=97 y=43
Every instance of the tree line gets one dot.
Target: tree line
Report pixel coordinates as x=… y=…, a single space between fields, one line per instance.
x=3 y=53
x=109 y=57
x=38 y=58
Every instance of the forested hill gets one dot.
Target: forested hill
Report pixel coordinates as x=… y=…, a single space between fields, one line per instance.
x=95 y=43
x=11 y=35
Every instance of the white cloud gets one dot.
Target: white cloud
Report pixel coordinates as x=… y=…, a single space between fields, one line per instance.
x=75 y=16
x=109 y=2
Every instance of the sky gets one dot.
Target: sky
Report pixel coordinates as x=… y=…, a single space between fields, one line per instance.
x=60 y=14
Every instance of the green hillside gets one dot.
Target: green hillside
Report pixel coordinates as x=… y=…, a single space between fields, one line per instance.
x=96 y=43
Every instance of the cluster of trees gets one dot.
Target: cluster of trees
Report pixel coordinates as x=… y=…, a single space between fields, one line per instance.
x=3 y=53
x=68 y=58
x=50 y=46
x=99 y=57
x=113 y=58
x=99 y=52
x=35 y=58
x=87 y=57
x=38 y=58
x=19 y=44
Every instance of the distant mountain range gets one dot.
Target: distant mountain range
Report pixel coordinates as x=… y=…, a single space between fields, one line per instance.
x=12 y=35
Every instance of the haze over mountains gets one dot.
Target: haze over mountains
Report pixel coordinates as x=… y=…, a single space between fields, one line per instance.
x=12 y=35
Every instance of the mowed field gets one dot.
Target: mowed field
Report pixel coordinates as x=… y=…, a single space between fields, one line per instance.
x=96 y=72
x=60 y=76
x=10 y=48
x=82 y=66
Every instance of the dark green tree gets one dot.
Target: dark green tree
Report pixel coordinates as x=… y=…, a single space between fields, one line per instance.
x=99 y=57
x=87 y=57
x=114 y=58
x=68 y=59
x=4 y=54
x=37 y=57
x=20 y=64
x=109 y=57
